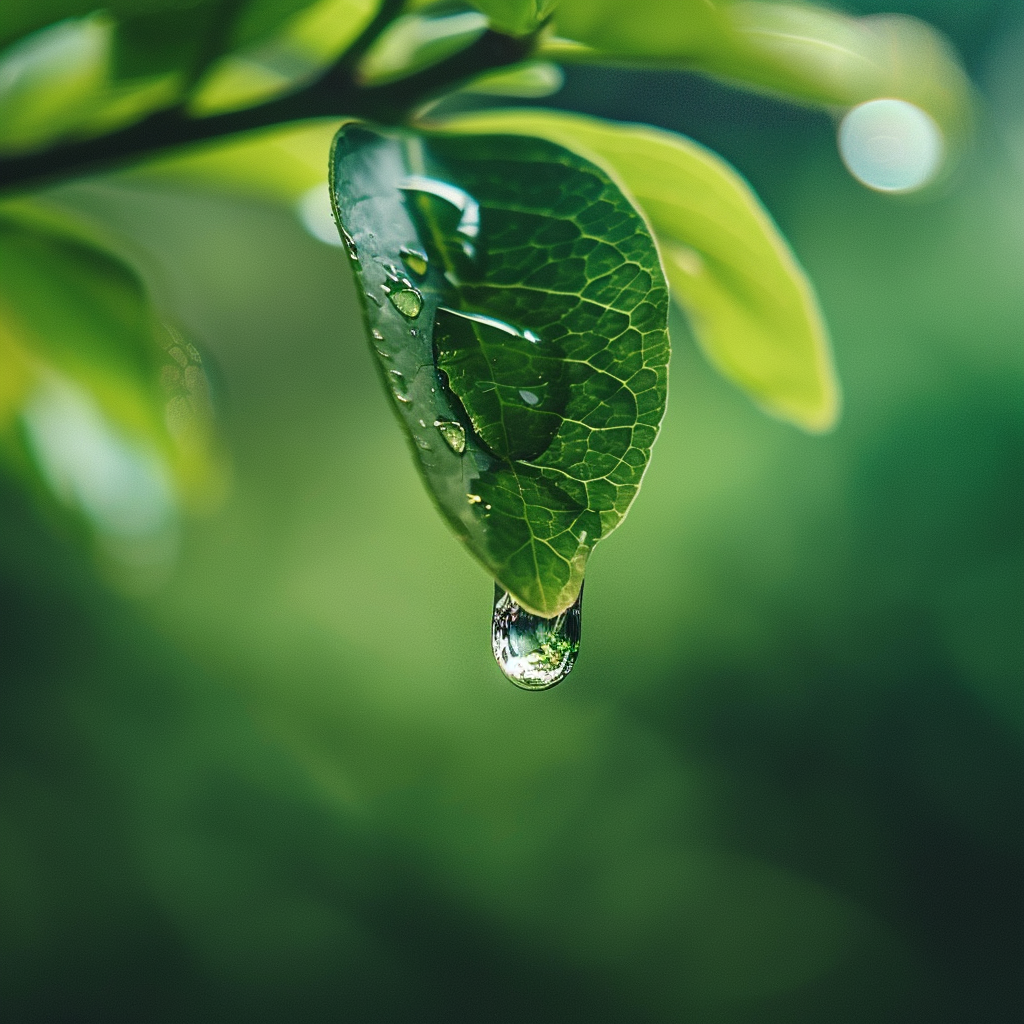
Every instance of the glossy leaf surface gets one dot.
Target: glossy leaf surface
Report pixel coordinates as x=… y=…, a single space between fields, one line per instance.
x=518 y=310
x=751 y=305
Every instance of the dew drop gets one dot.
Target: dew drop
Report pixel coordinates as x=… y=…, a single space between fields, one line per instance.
x=415 y=260
x=454 y=435
x=534 y=653
x=407 y=301
x=529 y=397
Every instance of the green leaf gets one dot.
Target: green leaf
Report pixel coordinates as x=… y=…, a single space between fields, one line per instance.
x=278 y=164
x=751 y=306
x=51 y=80
x=516 y=17
x=301 y=46
x=803 y=52
x=522 y=336
x=419 y=40
x=19 y=17
x=107 y=403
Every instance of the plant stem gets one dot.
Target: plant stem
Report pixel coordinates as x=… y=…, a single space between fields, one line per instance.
x=334 y=93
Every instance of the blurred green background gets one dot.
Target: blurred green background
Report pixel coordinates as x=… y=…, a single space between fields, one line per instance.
x=783 y=783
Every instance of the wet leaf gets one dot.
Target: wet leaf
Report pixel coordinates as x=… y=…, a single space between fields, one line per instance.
x=514 y=296
x=750 y=304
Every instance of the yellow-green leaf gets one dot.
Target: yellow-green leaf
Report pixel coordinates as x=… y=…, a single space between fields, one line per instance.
x=751 y=306
x=806 y=53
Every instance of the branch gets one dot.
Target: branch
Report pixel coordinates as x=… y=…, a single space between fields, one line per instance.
x=335 y=93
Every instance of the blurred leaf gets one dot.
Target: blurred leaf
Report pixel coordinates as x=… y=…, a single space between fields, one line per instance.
x=516 y=17
x=806 y=53
x=303 y=45
x=278 y=164
x=751 y=306
x=70 y=79
x=51 y=80
x=531 y=80
x=418 y=40
x=523 y=341
x=19 y=17
x=645 y=29
x=153 y=42
x=113 y=405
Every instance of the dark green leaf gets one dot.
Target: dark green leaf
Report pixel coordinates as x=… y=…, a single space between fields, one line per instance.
x=518 y=310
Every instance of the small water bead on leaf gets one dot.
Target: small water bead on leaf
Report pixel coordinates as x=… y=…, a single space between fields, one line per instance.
x=454 y=435
x=408 y=302
x=404 y=295
x=415 y=260
x=532 y=652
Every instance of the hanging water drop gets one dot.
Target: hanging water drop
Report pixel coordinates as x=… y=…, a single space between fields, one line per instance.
x=533 y=652
x=454 y=435
x=415 y=260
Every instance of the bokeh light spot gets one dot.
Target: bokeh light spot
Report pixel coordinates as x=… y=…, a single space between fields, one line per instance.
x=890 y=145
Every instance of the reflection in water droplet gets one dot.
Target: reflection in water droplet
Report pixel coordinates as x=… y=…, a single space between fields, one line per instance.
x=377 y=336
x=454 y=435
x=415 y=260
x=534 y=653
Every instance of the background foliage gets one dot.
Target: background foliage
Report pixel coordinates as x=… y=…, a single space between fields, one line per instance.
x=783 y=782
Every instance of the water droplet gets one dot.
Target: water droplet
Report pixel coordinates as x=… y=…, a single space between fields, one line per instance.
x=454 y=435
x=415 y=260
x=407 y=301
x=377 y=336
x=474 y=499
x=534 y=653
x=529 y=397
x=350 y=245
